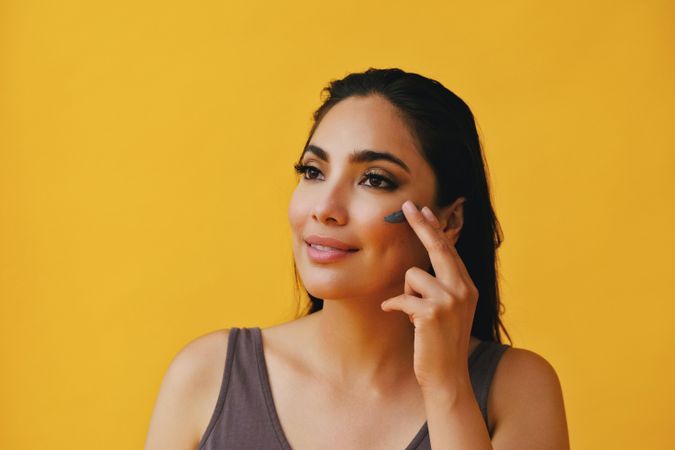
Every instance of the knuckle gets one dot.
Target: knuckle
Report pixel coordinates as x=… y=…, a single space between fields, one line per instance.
x=412 y=271
x=434 y=313
x=466 y=292
x=448 y=299
x=463 y=292
x=449 y=305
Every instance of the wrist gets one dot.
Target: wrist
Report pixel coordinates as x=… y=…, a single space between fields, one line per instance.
x=449 y=393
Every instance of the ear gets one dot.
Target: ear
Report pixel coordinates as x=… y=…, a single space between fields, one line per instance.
x=452 y=219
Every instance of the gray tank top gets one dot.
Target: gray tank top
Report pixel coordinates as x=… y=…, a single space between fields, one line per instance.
x=245 y=416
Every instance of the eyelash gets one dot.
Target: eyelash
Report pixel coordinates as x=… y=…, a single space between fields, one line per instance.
x=303 y=169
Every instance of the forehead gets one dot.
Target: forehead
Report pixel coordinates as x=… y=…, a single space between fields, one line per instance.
x=370 y=122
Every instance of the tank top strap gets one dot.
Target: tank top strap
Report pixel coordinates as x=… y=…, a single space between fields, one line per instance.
x=482 y=367
x=240 y=418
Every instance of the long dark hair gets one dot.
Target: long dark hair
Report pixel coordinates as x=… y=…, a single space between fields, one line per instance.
x=446 y=131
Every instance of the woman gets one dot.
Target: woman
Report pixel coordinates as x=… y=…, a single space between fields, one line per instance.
x=402 y=346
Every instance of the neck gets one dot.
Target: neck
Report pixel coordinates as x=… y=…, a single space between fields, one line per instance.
x=358 y=344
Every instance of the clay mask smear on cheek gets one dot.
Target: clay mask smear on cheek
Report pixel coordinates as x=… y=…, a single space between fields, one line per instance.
x=397 y=217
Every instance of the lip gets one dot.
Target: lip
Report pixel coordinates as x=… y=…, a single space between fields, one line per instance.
x=337 y=252
x=329 y=242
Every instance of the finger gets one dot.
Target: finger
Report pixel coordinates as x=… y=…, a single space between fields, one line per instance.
x=436 y=243
x=431 y=217
x=413 y=306
x=435 y=223
x=419 y=282
x=409 y=290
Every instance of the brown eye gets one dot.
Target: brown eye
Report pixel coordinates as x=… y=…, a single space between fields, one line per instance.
x=377 y=180
x=309 y=171
x=304 y=169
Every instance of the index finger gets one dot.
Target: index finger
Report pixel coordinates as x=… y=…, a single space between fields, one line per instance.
x=436 y=243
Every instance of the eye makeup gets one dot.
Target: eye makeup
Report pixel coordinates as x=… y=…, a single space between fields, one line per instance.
x=376 y=175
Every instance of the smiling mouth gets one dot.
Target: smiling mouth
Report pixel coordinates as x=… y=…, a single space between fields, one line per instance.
x=324 y=248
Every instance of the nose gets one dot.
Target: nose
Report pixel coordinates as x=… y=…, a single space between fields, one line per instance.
x=330 y=209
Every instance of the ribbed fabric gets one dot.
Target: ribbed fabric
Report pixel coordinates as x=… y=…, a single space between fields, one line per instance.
x=245 y=416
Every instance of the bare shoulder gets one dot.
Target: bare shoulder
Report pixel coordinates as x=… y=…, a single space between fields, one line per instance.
x=188 y=393
x=526 y=403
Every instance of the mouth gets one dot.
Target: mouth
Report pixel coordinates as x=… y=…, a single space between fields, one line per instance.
x=328 y=243
x=322 y=254
x=324 y=248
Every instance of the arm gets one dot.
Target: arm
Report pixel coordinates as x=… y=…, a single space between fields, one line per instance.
x=526 y=403
x=454 y=418
x=188 y=394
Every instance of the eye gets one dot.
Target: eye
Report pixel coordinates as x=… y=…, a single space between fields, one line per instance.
x=304 y=169
x=375 y=179
x=379 y=179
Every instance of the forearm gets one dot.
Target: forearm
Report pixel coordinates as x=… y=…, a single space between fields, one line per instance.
x=454 y=419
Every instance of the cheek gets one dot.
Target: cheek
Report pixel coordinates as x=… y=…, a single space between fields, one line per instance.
x=296 y=214
x=293 y=213
x=394 y=245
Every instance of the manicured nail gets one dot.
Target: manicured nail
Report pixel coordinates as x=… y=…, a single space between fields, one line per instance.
x=409 y=206
x=427 y=213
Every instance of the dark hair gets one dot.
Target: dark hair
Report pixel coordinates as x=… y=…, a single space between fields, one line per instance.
x=444 y=128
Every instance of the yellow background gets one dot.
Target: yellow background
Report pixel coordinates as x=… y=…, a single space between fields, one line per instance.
x=146 y=168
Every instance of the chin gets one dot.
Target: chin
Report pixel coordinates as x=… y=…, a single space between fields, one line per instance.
x=336 y=287
x=330 y=286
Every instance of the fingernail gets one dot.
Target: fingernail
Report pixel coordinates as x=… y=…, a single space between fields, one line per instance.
x=427 y=213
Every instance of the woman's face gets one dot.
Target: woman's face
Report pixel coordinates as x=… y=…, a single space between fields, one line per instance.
x=342 y=199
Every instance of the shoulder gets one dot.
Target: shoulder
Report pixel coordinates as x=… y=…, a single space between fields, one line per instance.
x=526 y=394
x=518 y=364
x=199 y=353
x=188 y=392
x=198 y=363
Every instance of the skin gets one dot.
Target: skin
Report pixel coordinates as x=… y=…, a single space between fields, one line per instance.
x=391 y=338
x=338 y=201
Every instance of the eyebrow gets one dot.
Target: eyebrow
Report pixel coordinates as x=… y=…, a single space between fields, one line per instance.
x=359 y=156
